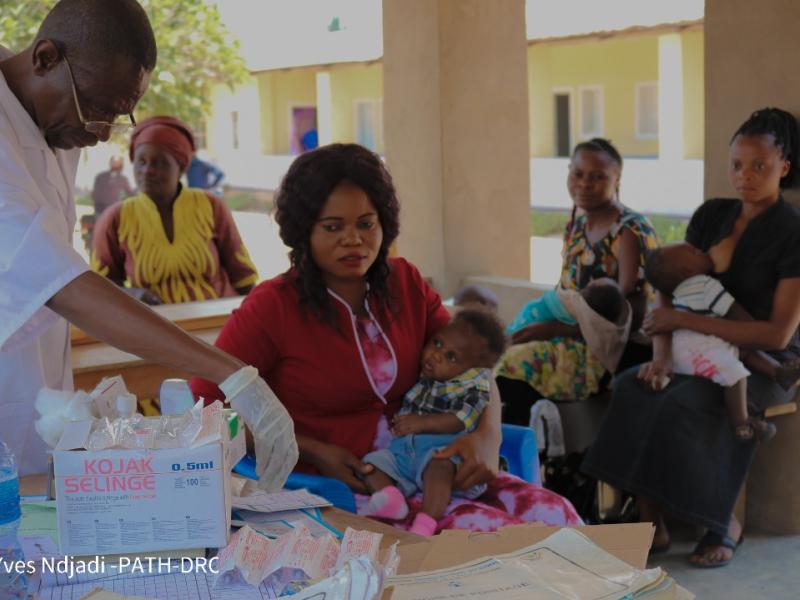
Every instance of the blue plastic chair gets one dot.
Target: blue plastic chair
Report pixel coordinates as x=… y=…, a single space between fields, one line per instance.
x=334 y=491
x=518 y=448
x=521 y=451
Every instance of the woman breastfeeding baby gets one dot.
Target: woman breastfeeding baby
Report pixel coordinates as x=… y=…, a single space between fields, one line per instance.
x=348 y=336
x=671 y=444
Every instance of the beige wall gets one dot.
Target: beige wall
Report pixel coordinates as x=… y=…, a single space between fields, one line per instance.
x=751 y=50
x=456 y=131
x=693 y=93
x=484 y=133
x=412 y=126
x=617 y=65
x=265 y=83
x=349 y=84
x=280 y=90
x=219 y=127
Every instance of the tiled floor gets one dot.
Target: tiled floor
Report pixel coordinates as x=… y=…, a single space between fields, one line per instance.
x=765 y=566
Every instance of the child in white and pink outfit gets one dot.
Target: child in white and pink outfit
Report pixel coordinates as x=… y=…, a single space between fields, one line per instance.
x=682 y=271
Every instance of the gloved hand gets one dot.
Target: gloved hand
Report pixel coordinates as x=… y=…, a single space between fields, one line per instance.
x=270 y=424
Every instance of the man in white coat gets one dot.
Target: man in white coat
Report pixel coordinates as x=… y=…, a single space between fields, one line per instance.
x=78 y=81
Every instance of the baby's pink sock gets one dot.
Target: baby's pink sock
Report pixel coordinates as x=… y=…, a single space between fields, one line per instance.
x=388 y=503
x=423 y=525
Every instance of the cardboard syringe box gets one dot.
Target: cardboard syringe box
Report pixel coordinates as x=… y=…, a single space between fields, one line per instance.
x=628 y=542
x=125 y=501
x=122 y=501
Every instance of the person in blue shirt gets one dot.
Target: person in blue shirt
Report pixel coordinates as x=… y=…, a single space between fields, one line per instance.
x=309 y=140
x=203 y=175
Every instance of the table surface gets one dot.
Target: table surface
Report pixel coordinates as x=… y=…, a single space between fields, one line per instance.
x=191 y=316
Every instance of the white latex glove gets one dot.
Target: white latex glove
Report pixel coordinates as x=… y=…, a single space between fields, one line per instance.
x=270 y=424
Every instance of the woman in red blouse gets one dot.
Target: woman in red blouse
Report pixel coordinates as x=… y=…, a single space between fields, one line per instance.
x=339 y=337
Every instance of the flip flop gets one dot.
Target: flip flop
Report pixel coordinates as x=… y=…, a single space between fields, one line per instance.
x=714 y=539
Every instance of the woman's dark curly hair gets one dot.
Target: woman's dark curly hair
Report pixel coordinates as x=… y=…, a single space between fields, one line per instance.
x=303 y=192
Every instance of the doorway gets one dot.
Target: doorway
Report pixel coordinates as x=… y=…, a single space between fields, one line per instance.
x=562 y=131
x=303 y=129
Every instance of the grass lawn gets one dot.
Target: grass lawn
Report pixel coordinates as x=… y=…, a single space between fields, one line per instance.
x=249 y=200
x=551 y=223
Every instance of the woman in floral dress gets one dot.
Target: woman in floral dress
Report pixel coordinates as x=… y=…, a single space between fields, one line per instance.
x=606 y=239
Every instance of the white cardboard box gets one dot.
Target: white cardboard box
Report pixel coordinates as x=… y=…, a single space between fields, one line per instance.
x=125 y=501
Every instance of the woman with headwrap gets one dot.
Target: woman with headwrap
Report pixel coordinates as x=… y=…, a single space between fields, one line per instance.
x=180 y=244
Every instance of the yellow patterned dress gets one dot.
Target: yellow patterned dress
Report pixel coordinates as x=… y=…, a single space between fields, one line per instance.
x=563 y=368
x=206 y=258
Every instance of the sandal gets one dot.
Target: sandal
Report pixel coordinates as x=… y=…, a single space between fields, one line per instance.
x=755 y=429
x=709 y=540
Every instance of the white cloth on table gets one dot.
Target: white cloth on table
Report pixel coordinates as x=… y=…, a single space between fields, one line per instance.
x=37 y=220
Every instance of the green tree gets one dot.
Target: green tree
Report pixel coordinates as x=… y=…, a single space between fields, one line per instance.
x=195 y=50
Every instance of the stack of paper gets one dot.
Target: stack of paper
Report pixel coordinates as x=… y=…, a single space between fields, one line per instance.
x=665 y=588
x=260 y=501
x=564 y=565
x=275 y=514
x=277 y=523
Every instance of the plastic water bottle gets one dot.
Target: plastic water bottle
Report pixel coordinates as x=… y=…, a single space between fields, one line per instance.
x=9 y=486
x=12 y=585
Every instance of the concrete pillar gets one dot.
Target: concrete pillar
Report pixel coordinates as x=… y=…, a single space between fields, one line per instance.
x=670 y=97
x=324 y=108
x=750 y=49
x=456 y=135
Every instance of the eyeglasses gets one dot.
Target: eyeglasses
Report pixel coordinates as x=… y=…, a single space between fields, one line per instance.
x=97 y=127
